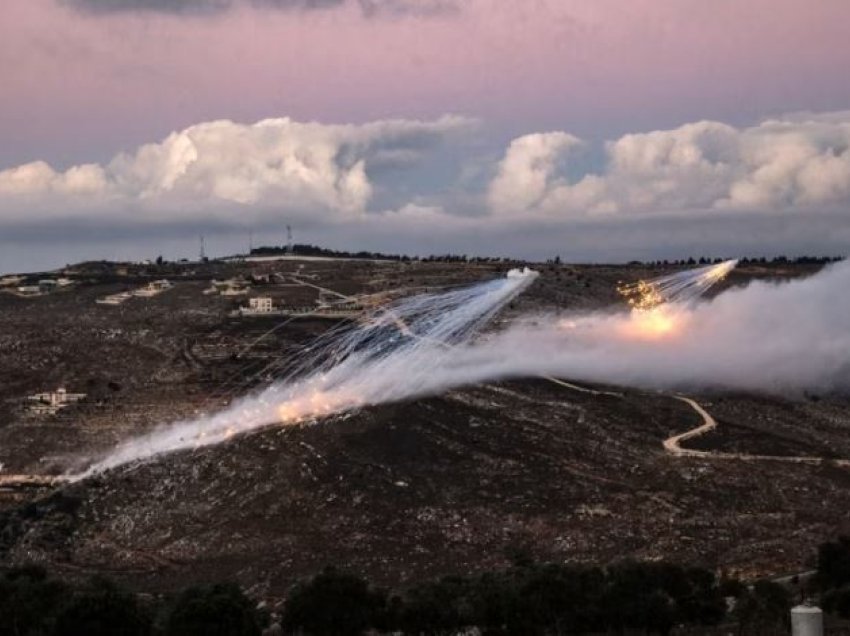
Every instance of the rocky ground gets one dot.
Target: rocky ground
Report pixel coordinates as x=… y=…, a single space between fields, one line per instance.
x=402 y=492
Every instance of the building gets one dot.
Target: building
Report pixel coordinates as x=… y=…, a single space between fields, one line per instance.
x=235 y=289
x=257 y=306
x=47 y=285
x=11 y=281
x=114 y=299
x=153 y=288
x=263 y=304
x=29 y=290
x=50 y=403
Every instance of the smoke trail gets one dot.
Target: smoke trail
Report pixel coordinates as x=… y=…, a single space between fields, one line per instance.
x=679 y=287
x=395 y=353
x=775 y=337
x=783 y=338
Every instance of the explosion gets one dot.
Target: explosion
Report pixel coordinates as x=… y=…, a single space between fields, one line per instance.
x=659 y=305
x=681 y=287
x=402 y=344
x=661 y=321
x=784 y=338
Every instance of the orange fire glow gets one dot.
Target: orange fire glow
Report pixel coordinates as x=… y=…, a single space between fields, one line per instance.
x=654 y=324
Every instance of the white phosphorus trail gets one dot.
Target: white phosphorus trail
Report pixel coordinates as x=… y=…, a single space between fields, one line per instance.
x=781 y=337
x=395 y=352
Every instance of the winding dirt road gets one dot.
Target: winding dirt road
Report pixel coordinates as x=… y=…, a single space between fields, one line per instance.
x=673 y=444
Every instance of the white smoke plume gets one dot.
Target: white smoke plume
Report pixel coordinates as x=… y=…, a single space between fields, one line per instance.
x=399 y=352
x=786 y=337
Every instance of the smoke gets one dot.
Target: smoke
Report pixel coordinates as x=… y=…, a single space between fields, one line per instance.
x=786 y=337
x=397 y=352
x=783 y=338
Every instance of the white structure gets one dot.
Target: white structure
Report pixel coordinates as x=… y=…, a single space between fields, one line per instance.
x=52 y=402
x=149 y=290
x=29 y=290
x=114 y=299
x=806 y=621
x=261 y=305
x=47 y=285
x=234 y=290
x=153 y=288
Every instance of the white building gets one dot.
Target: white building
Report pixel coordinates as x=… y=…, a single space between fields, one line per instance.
x=29 y=290
x=114 y=299
x=153 y=288
x=261 y=305
x=234 y=291
x=51 y=402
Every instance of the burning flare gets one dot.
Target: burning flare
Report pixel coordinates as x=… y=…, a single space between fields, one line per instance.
x=659 y=305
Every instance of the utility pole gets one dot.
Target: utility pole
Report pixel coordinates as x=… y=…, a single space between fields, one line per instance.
x=203 y=253
x=289 y=246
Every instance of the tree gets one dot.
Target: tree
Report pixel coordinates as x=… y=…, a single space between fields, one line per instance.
x=333 y=604
x=102 y=609
x=764 y=610
x=833 y=569
x=438 y=607
x=28 y=601
x=837 y=601
x=216 y=610
x=562 y=598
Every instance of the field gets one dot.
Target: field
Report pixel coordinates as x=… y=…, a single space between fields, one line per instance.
x=458 y=482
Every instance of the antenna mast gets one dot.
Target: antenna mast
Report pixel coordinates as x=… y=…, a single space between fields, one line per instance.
x=289 y=247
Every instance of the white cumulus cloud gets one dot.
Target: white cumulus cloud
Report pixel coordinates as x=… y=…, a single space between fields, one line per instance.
x=800 y=162
x=215 y=166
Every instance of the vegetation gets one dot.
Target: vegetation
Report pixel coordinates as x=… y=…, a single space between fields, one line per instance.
x=102 y=609
x=526 y=598
x=315 y=250
x=833 y=576
x=334 y=604
x=217 y=610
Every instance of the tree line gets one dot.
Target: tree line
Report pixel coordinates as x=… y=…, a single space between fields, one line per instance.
x=314 y=250
x=526 y=598
x=757 y=260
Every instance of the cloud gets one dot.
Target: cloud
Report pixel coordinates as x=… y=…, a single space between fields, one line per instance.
x=782 y=186
x=369 y=8
x=396 y=8
x=228 y=170
x=796 y=163
x=154 y=6
x=526 y=174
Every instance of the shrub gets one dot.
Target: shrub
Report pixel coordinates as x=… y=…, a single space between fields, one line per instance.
x=216 y=610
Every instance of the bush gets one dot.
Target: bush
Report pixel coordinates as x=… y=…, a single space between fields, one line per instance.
x=334 y=604
x=764 y=609
x=833 y=569
x=102 y=609
x=439 y=607
x=29 y=601
x=837 y=601
x=217 y=610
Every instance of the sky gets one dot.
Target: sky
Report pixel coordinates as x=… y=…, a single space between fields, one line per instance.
x=598 y=130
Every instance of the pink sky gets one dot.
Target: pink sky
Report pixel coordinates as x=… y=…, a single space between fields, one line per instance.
x=79 y=87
